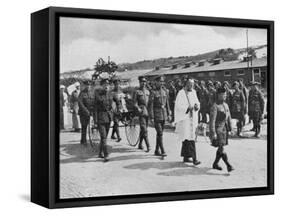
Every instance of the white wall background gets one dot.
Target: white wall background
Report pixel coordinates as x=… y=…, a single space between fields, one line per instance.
x=15 y=107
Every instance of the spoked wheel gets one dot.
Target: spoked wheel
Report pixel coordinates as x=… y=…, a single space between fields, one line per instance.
x=94 y=136
x=132 y=129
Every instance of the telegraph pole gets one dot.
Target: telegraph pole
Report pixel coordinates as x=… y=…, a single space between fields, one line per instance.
x=248 y=69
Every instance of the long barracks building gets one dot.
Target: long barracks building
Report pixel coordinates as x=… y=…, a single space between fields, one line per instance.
x=247 y=69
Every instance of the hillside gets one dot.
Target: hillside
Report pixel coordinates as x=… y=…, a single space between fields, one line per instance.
x=227 y=54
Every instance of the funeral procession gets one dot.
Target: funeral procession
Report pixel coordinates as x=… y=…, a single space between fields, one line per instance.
x=179 y=123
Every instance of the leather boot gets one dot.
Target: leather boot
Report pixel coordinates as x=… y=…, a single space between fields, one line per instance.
x=225 y=159
x=215 y=164
x=140 y=143
x=258 y=131
x=147 y=144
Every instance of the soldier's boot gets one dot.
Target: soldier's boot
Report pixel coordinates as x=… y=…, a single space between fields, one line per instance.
x=239 y=131
x=216 y=162
x=161 y=146
x=239 y=128
x=113 y=134
x=147 y=144
x=101 y=154
x=118 y=134
x=228 y=165
x=258 y=131
x=140 y=143
x=156 y=152
x=253 y=129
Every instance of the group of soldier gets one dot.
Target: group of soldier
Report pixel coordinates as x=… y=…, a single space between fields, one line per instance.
x=240 y=99
x=156 y=103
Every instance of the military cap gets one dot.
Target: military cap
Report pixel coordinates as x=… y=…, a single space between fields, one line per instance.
x=217 y=83
x=202 y=82
x=235 y=83
x=188 y=79
x=160 y=79
x=209 y=82
x=76 y=84
x=221 y=90
x=62 y=87
x=104 y=81
x=142 y=79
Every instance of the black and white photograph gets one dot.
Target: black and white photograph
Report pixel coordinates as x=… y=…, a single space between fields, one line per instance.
x=151 y=107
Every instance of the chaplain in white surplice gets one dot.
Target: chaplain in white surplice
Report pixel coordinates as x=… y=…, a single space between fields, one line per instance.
x=187 y=106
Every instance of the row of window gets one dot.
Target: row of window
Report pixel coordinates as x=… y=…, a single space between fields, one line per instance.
x=228 y=73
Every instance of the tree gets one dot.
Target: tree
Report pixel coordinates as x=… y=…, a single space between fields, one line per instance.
x=226 y=54
x=104 y=67
x=252 y=52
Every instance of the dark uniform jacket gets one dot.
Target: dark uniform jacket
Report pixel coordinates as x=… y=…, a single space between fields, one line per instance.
x=172 y=94
x=74 y=101
x=238 y=102
x=203 y=98
x=141 y=99
x=228 y=98
x=159 y=108
x=86 y=103
x=211 y=97
x=103 y=107
x=256 y=102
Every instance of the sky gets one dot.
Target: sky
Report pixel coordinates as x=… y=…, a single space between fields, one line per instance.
x=83 y=41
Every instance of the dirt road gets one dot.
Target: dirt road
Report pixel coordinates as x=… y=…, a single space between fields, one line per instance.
x=132 y=171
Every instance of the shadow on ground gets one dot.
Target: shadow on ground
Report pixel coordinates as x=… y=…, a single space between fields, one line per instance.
x=80 y=153
x=193 y=171
x=180 y=169
x=157 y=165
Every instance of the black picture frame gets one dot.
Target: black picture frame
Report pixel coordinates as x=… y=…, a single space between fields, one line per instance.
x=45 y=100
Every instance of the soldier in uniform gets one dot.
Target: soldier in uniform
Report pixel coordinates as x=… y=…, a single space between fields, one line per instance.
x=202 y=95
x=172 y=97
x=141 y=98
x=256 y=107
x=159 y=111
x=211 y=94
x=245 y=92
x=118 y=109
x=86 y=106
x=178 y=85
x=217 y=84
x=226 y=85
x=220 y=126
x=238 y=107
x=103 y=116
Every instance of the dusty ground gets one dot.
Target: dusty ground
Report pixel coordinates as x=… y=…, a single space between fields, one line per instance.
x=131 y=171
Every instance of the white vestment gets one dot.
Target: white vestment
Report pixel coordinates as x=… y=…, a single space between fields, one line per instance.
x=186 y=124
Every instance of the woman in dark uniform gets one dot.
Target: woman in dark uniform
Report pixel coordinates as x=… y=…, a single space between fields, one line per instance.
x=220 y=126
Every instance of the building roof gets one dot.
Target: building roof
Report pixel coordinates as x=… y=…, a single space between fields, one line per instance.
x=225 y=65
x=132 y=76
